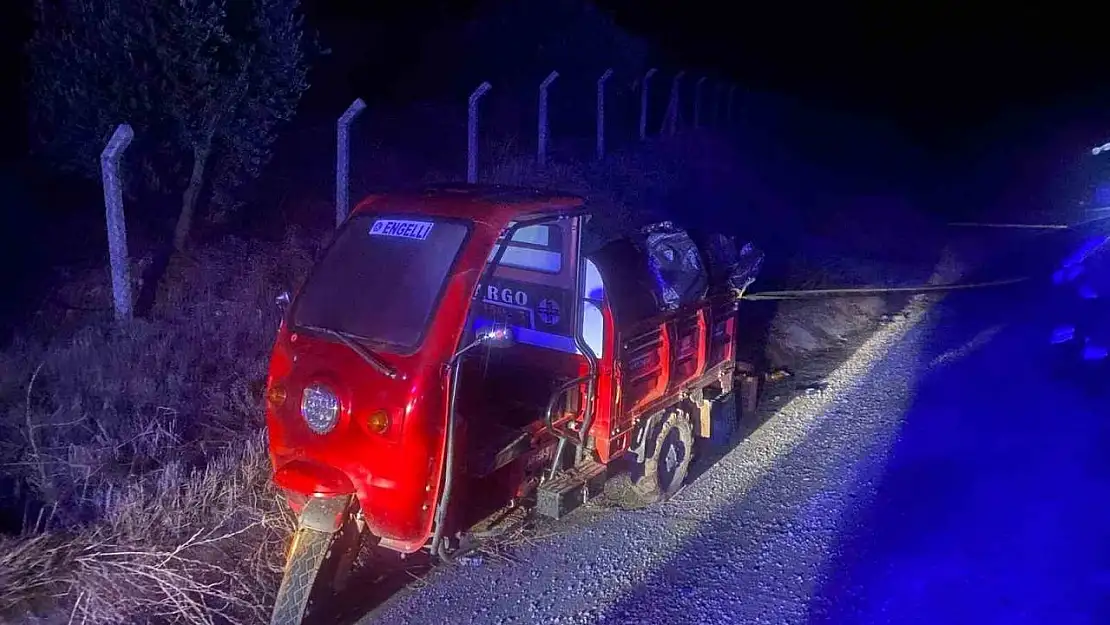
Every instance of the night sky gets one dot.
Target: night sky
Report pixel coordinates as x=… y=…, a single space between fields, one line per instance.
x=938 y=70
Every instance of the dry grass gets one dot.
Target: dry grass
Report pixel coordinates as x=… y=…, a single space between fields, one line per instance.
x=138 y=453
x=202 y=547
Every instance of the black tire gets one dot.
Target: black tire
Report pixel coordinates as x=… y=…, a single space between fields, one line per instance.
x=667 y=465
x=317 y=566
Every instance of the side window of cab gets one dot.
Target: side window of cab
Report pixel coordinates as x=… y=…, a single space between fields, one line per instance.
x=593 y=298
x=535 y=248
x=533 y=290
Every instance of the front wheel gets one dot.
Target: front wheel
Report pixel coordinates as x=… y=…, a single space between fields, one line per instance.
x=315 y=569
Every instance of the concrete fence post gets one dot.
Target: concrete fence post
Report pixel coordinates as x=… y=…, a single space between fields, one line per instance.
x=542 y=131
x=472 y=132
x=601 y=112
x=117 y=224
x=674 y=108
x=343 y=159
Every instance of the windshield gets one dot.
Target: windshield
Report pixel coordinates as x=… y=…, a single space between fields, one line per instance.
x=380 y=279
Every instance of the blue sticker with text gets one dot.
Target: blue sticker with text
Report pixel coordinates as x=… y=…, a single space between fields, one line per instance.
x=402 y=228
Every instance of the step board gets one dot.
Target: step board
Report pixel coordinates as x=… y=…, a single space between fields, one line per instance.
x=570 y=489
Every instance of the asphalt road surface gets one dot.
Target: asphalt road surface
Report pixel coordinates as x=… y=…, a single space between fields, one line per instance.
x=944 y=475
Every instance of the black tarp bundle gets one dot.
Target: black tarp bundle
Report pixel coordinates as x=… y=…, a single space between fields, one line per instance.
x=686 y=270
x=676 y=263
x=732 y=267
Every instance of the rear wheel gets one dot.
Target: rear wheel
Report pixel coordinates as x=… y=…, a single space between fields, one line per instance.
x=316 y=569
x=668 y=461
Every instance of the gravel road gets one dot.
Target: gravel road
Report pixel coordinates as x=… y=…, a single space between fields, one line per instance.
x=936 y=479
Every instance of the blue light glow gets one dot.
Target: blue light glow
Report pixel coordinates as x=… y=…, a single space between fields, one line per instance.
x=1063 y=334
x=1094 y=352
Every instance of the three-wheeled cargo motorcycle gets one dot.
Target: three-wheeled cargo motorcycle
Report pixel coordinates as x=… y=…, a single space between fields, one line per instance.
x=456 y=351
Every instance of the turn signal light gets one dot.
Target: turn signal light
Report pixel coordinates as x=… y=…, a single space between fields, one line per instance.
x=377 y=422
x=275 y=395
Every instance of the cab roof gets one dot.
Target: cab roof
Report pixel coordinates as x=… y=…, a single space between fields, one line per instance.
x=494 y=204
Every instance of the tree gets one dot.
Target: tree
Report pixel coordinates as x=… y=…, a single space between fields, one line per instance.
x=204 y=83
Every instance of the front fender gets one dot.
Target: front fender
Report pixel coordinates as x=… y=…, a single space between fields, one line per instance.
x=312 y=479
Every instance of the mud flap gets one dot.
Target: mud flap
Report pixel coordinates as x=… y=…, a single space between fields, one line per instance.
x=325 y=514
x=724 y=419
x=715 y=418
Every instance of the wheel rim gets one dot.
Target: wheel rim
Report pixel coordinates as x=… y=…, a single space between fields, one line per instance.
x=672 y=455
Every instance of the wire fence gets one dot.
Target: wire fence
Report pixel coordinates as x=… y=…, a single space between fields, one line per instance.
x=569 y=117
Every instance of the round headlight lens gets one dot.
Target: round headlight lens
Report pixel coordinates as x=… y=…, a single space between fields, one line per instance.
x=320 y=408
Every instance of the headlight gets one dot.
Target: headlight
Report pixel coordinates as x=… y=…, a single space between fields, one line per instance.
x=320 y=408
